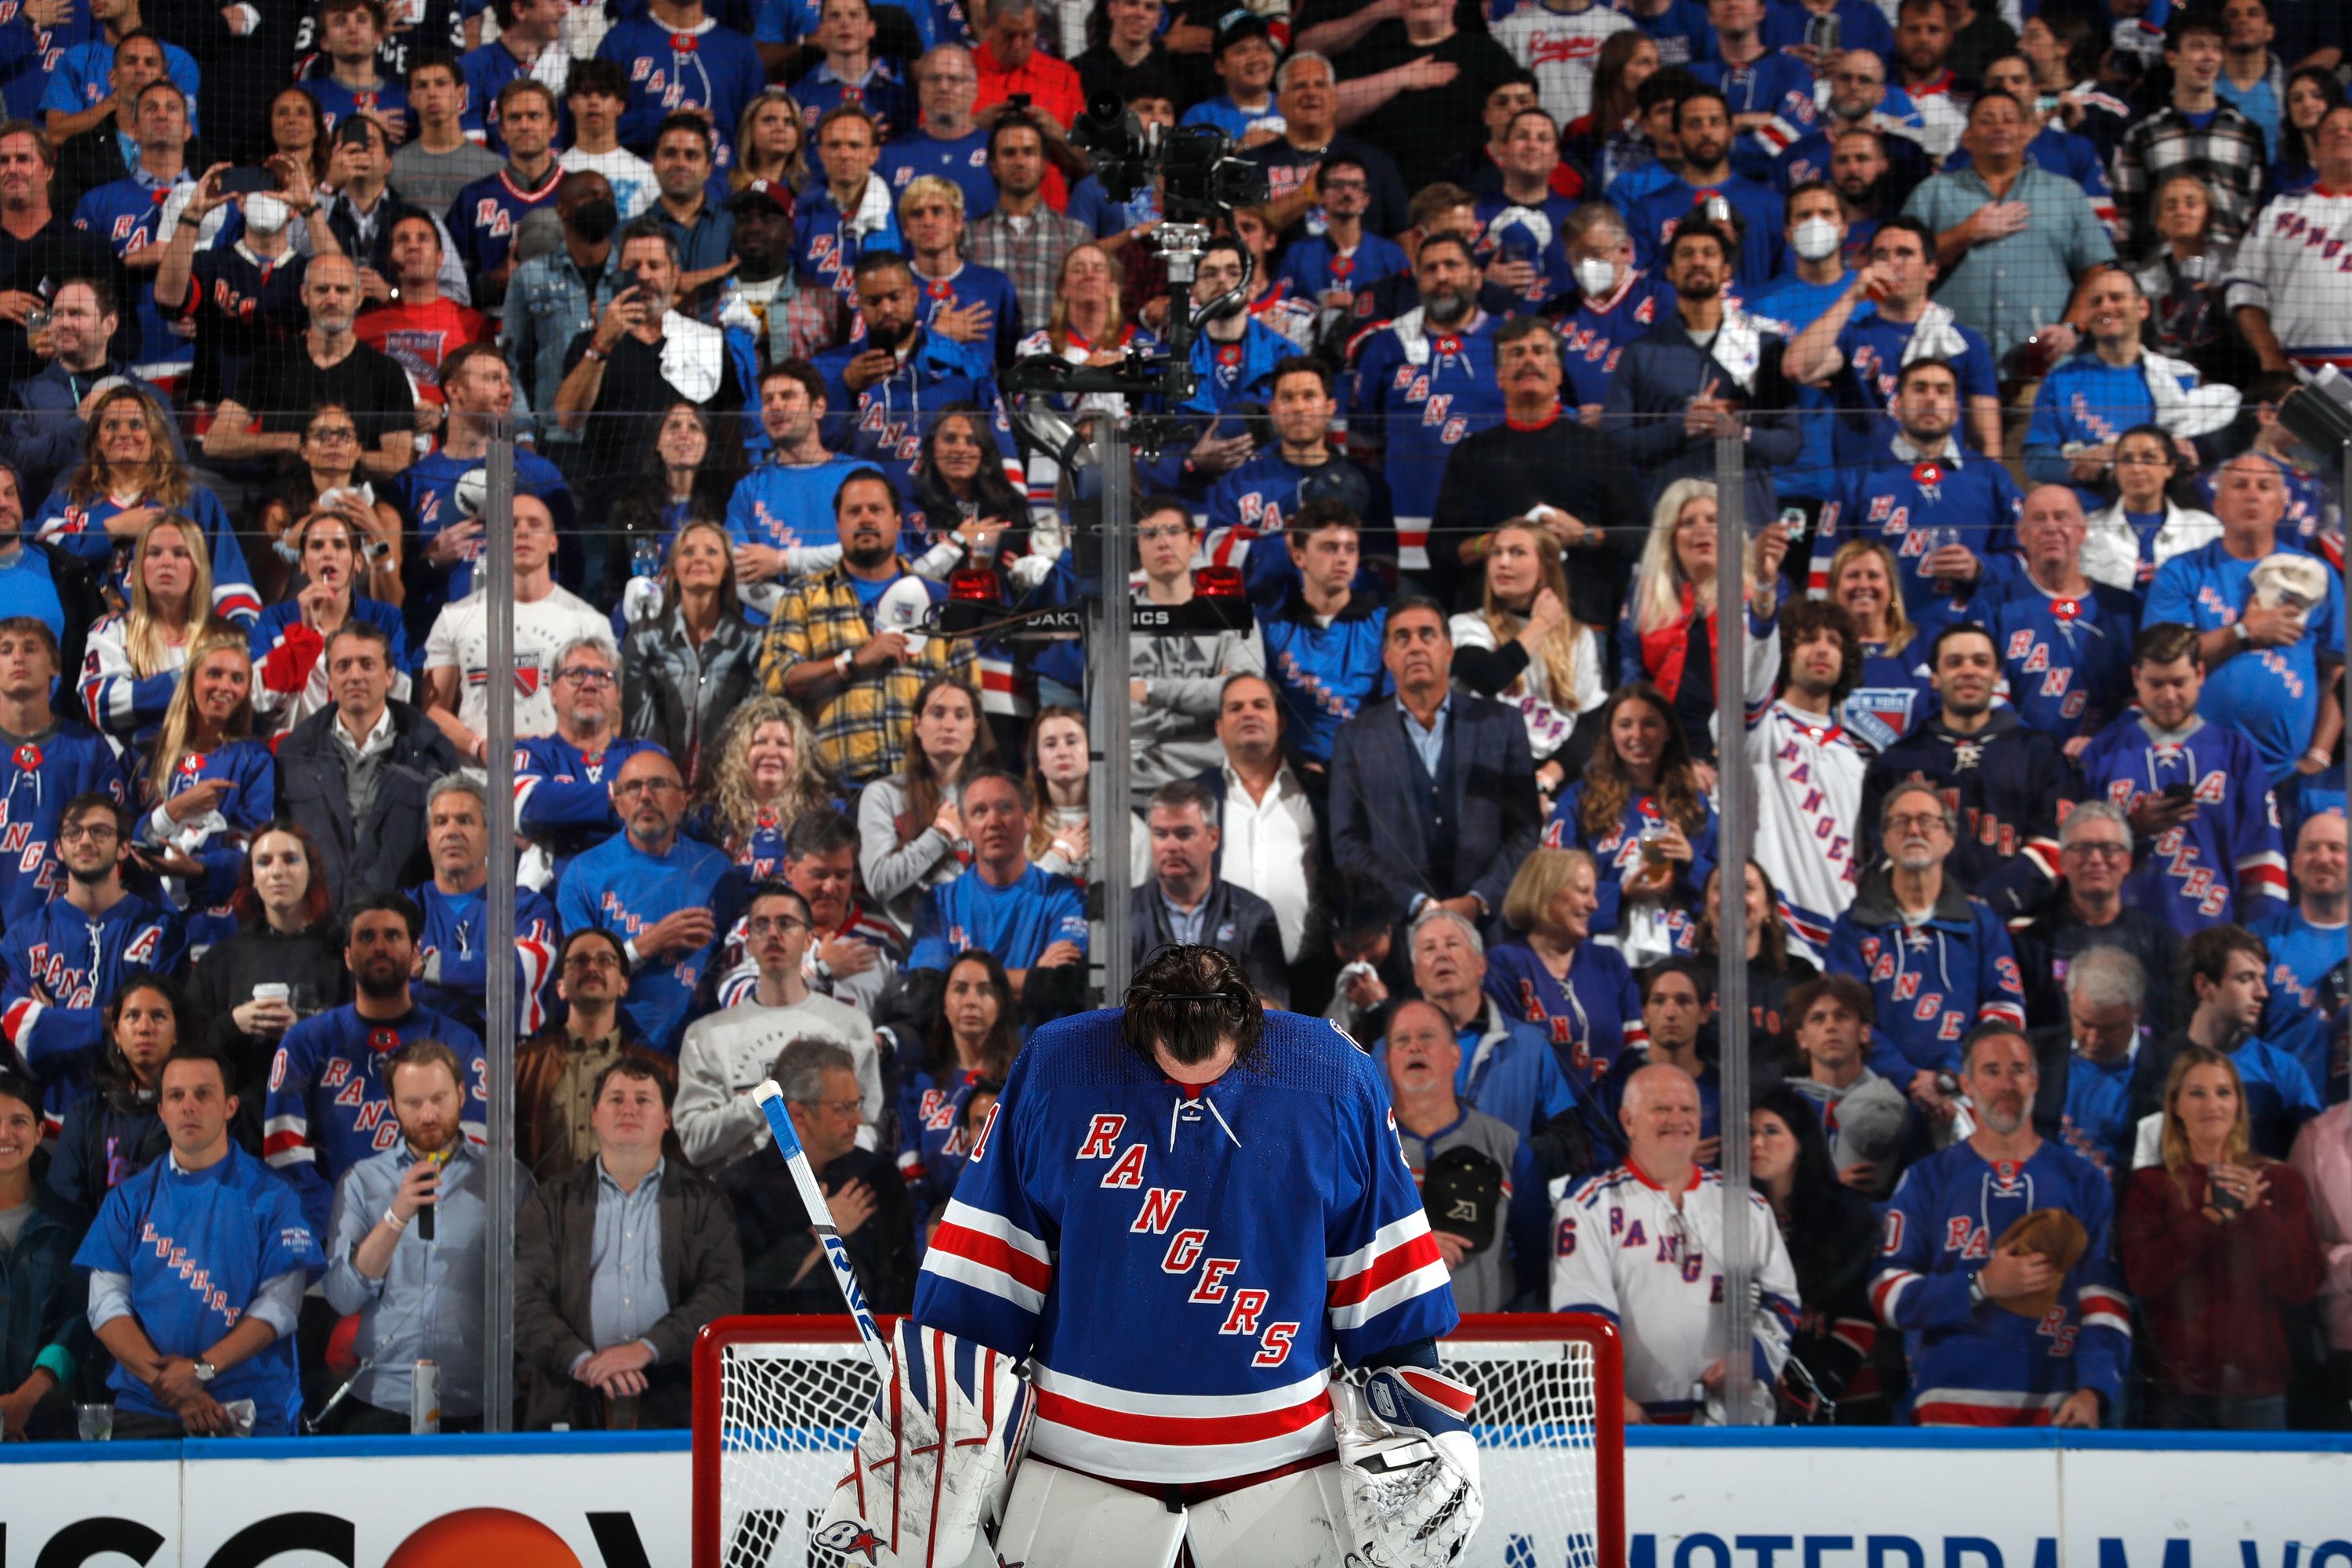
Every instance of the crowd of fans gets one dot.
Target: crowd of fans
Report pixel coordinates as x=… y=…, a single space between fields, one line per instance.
x=2046 y=915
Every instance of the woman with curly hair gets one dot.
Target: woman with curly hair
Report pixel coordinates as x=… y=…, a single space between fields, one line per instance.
x=207 y=785
x=1523 y=645
x=910 y=824
x=972 y=1041
x=115 y=1132
x=2217 y=1242
x=697 y=660
x=1643 y=815
x=767 y=774
x=1893 y=694
x=131 y=475
x=132 y=667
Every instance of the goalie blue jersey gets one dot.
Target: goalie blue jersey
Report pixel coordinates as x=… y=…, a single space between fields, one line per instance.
x=1257 y=1224
x=1982 y=1364
x=2225 y=865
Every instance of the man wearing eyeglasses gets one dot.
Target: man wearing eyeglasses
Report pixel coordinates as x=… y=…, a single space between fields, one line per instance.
x=669 y=899
x=2088 y=910
x=784 y=1268
x=562 y=802
x=556 y=1069
x=726 y=1055
x=67 y=959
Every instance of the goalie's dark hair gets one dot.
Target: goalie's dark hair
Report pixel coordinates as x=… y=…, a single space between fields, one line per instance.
x=1188 y=999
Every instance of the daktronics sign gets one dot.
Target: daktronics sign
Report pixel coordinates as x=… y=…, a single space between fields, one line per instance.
x=552 y=1501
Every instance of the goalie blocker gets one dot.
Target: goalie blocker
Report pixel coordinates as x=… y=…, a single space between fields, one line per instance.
x=1227 y=1188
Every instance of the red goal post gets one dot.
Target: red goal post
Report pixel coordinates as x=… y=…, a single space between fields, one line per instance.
x=778 y=1402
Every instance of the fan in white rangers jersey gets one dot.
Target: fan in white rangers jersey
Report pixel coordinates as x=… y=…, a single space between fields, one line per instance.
x=2290 y=293
x=1179 y=1211
x=1641 y=1245
x=1808 y=773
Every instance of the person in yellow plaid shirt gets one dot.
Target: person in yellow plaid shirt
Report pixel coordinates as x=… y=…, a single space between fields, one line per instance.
x=823 y=653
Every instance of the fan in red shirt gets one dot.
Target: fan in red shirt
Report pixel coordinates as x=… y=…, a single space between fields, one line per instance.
x=416 y=326
x=1009 y=63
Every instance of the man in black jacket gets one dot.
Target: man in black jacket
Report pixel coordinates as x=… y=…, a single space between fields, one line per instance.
x=355 y=774
x=784 y=1269
x=1542 y=466
x=1186 y=901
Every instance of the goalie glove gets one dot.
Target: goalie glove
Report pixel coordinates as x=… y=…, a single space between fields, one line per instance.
x=935 y=1460
x=1408 y=1466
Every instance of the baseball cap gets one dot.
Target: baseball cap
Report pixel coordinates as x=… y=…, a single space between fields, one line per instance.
x=1239 y=23
x=776 y=193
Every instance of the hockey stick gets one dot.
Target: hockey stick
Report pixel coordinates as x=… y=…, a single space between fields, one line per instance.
x=771 y=1101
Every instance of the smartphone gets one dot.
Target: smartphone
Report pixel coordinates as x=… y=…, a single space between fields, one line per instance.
x=1821 y=35
x=245 y=179
x=2180 y=793
x=2223 y=1200
x=1019 y=100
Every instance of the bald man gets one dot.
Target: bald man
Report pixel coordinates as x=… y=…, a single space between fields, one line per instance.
x=2271 y=661
x=1640 y=1245
x=2064 y=640
x=1490 y=1263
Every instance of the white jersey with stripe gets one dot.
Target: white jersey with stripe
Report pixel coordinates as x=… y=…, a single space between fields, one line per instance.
x=1183 y=1263
x=1808 y=778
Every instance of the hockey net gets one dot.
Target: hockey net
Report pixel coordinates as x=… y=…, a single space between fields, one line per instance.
x=779 y=1402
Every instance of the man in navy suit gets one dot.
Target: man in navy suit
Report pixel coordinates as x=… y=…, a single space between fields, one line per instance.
x=1433 y=790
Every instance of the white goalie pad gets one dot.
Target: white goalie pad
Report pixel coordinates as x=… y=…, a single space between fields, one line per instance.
x=1409 y=1466
x=934 y=1461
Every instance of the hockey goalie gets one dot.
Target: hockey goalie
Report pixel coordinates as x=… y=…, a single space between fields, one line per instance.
x=1179 y=1214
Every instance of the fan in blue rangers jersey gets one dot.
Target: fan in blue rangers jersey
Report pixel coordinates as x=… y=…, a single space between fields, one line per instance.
x=1884 y=321
x=452 y=956
x=77 y=523
x=883 y=391
x=1522 y=224
x=1861 y=26
x=852 y=211
x=936 y=22
x=1323 y=639
x=946 y=143
x=2064 y=640
x=2089 y=399
x=693 y=65
x=1020 y=921
x=1615 y=302
x=45 y=761
x=1679 y=28
x=1422 y=382
x=2270 y=669
x=2198 y=794
x=1941 y=511
x=879 y=90
x=2002 y=1331
x=1261 y=497
x=189 y=1253
x=2307 y=946
x=1580 y=993
x=669 y=899
x=1770 y=93
x=484 y=218
x=1150 y=1147
x=1892 y=691
x=1931 y=979
x=329 y=1105
x=932 y=214
x=1703 y=125
x=2008 y=784
x=563 y=785
x=68 y=958
x=130 y=215
x=202 y=844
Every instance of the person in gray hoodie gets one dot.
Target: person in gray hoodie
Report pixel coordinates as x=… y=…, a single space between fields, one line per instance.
x=1176 y=681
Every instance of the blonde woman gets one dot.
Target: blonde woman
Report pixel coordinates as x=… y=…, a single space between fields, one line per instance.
x=2217 y=1242
x=768 y=774
x=770 y=142
x=131 y=475
x=208 y=786
x=132 y=667
x=1666 y=632
x=1894 y=694
x=1524 y=645
x=1578 y=992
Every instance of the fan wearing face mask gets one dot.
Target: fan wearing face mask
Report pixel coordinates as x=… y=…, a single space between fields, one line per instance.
x=242 y=295
x=1815 y=278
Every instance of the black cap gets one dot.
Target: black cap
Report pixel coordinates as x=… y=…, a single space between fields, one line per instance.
x=1238 y=24
x=1462 y=1192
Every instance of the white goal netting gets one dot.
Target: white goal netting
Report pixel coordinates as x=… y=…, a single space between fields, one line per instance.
x=790 y=1411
